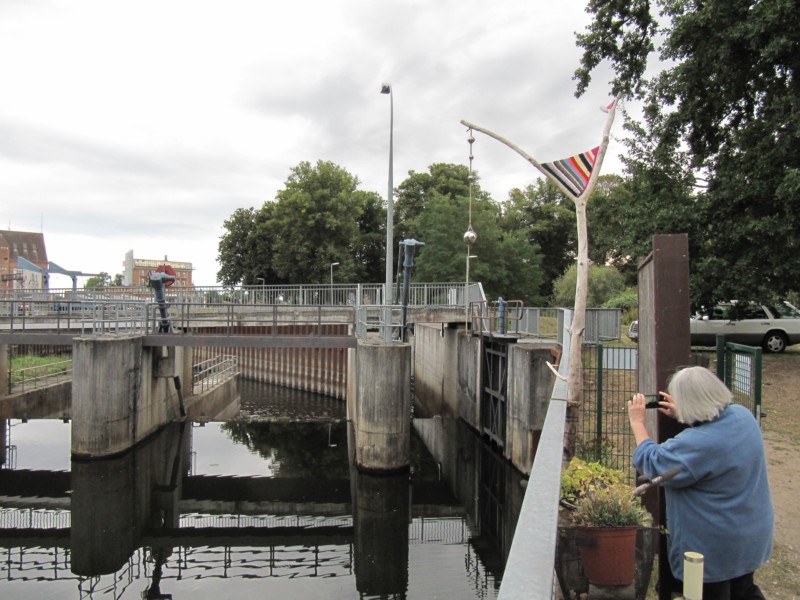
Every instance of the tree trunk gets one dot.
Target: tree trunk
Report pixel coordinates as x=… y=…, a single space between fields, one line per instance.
x=575 y=375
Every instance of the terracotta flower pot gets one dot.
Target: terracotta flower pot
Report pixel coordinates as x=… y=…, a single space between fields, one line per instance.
x=608 y=554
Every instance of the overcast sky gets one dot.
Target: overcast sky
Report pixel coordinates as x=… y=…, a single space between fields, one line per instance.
x=144 y=124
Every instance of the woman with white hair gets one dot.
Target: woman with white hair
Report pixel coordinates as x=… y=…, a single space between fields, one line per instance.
x=719 y=504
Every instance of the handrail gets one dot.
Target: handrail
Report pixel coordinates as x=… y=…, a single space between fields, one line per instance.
x=213 y=371
x=496 y=317
x=529 y=571
x=39 y=375
x=345 y=294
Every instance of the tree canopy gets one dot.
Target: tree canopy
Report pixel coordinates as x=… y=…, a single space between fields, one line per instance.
x=98 y=282
x=435 y=209
x=320 y=217
x=545 y=217
x=718 y=144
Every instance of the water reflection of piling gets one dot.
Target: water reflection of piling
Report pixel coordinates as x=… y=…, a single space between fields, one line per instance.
x=115 y=500
x=381 y=509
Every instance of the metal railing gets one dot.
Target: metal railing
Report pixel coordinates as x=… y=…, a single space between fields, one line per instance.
x=38 y=376
x=111 y=316
x=499 y=317
x=344 y=294
x=609 y=381
x=128 y=310
x=210 y=373
x=740 y=368
x=226 y=318
x=602 y=324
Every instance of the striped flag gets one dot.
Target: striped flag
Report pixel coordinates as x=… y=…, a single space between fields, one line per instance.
x=573 y=173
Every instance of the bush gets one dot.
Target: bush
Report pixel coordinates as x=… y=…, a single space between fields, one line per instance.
x=628 y=302
x=604 y=283
x=611 y=506
x=581 y=477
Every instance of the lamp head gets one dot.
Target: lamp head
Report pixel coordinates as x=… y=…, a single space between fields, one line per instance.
x=386 y=88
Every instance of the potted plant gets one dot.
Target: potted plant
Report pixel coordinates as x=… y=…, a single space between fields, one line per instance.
x=604 y=517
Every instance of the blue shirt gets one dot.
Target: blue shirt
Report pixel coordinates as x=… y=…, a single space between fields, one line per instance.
x=719 y=504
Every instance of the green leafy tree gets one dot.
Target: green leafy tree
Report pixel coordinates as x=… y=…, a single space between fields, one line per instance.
x=418 y=189
x=727 y=94
x=546 y=218
x=245 y=249
x=317 y=220
x=657 y=197
x=507 y=264
x=320 y=217
x=98 y=282
x=605 y=283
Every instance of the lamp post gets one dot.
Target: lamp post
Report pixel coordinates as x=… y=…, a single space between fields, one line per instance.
x=336 y=264
x=387 y=331
x=263 y=281
x=332 y=265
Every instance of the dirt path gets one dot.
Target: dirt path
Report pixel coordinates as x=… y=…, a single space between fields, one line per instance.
x=780 y=577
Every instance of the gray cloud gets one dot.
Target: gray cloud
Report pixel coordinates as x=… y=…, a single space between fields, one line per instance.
x=201 y=111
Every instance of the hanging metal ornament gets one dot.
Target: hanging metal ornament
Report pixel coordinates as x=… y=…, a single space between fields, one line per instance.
x=470 y=236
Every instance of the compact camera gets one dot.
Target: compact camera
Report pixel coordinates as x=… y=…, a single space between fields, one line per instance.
x=652 y=400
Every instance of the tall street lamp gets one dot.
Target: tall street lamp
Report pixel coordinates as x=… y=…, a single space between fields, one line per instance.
x=333 y=265
x=387 y=331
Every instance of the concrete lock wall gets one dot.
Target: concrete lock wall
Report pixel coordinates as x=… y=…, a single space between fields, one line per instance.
x=530 y=383
x=122 y=393
x=379 y=404
x=447 y=371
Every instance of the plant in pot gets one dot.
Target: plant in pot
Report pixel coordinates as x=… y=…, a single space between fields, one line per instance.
x=607 y=517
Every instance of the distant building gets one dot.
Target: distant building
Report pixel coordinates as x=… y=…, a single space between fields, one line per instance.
x=136 y=270
x=29 y=246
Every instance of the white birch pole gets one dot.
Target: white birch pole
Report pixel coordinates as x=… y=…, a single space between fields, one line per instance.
x=575 y=374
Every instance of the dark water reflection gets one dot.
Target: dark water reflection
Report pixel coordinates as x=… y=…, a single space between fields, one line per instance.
x=246 y=508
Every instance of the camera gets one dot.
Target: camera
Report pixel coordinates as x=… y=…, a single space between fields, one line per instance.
x=652 y=400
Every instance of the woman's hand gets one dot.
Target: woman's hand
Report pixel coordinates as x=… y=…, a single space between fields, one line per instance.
x=636 y=412
x=667 y=405
x=636 y=409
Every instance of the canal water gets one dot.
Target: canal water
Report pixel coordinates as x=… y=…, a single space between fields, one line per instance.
x=257 y=498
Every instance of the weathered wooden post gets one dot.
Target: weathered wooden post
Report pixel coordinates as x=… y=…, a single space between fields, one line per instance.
x=576 y=177
x=664 y=345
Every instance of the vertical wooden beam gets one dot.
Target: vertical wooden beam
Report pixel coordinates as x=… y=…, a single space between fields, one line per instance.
x=664 y=346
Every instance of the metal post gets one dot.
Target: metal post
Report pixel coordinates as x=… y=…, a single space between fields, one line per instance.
x=387 y=330
x=333 y=264
x=408 y=264
x=599 y=395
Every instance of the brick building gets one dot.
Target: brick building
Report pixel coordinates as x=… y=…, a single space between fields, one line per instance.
x=27 y=245
x=136 y=270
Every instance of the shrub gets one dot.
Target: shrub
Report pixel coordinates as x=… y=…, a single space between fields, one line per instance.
x=581 y=477
x=612 y=506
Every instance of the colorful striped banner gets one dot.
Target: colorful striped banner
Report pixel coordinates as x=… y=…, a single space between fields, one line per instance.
x=573 y=173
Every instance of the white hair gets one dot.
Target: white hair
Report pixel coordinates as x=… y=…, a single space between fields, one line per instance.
x=698 y=394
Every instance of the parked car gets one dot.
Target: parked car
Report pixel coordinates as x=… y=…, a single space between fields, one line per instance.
x=771 y=326
x=774 y=327
x=633 y=331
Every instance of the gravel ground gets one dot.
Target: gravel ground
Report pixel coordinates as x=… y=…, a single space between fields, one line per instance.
x=780 y=577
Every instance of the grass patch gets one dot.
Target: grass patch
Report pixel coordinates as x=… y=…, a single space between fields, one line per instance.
x=25 y=368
